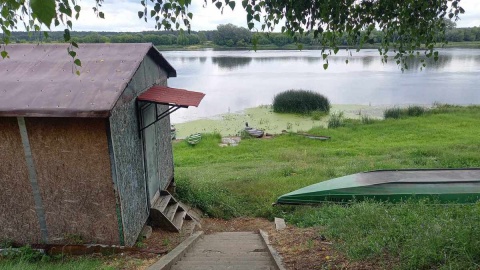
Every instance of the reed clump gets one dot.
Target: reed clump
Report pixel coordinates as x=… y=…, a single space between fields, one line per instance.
x=300 y=101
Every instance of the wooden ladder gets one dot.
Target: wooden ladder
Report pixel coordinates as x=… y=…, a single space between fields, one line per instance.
x=168 y=213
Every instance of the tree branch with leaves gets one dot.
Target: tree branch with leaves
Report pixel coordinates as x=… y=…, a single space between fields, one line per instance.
x=407 y=25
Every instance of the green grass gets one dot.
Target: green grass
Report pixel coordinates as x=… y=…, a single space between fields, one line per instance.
x=73 y=264
x=245 y=180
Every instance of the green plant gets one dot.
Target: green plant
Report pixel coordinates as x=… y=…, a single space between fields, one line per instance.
x=415 y=110
x=367 y=120
x=300 y=101
x=74 y=239
x=317 y=115
x=166 y=241
x=336 y=120
x=25 y=254
x=5 y=243
x=394 y=113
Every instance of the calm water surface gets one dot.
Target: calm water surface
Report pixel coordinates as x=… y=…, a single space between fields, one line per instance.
x=235 y=80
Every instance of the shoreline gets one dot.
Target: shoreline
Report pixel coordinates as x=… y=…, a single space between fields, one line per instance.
x=262 y=117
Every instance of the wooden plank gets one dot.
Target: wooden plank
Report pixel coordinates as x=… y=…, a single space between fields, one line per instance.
x=170 y=211
x=162 y=203
x=178 y=219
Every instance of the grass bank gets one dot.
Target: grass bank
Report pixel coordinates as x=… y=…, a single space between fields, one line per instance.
x=245 y=180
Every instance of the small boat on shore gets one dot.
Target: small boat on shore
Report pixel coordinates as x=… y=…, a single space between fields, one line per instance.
x=442 y=185
x=194 y=139
x=257 y=133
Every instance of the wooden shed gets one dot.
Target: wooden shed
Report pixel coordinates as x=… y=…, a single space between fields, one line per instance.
x=85 y=156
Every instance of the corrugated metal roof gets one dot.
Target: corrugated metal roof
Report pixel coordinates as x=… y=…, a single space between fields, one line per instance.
x=39 y=80
x=171 y=96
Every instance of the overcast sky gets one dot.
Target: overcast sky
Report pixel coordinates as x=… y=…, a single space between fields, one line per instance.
x=121 y=16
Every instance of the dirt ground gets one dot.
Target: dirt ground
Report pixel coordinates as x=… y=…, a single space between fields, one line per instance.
x=300 y=248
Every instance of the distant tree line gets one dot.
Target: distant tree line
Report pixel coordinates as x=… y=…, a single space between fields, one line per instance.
x=227 y=35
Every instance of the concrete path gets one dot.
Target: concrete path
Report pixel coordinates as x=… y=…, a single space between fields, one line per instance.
x=228 y=250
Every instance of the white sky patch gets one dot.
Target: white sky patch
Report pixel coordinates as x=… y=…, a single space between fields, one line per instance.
x=122 y=16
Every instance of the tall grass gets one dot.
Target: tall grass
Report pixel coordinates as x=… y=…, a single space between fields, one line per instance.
x=419 y=234
x=397 y=113
x=26 y=258
x=336 y=120
x=300 y=101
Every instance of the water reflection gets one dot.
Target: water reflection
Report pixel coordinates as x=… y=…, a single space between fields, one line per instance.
x=241 y=79
x=231 y=63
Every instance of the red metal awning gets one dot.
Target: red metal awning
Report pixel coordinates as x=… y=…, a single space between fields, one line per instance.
x=171 y=96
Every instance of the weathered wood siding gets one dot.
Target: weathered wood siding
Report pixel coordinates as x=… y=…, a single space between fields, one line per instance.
x=164 y=151
x=74 y=176
x=18 y=220
x=128 y=150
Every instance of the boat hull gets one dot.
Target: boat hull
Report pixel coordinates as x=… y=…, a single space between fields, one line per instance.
x=443 y=186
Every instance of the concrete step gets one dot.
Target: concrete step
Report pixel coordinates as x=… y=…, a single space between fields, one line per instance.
x=230 y=267
x=214 y=254
x=229 y=259
x=247 y=266
x=229 y=250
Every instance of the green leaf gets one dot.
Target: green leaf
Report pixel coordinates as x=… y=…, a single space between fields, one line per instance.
x=77 y=8
x=324 y=56
x=78 y=62
x=325 y=66
x=244 y=3
x=140 y=14
x=4 y=54
x=66 y=35
x=346 y=61
x=232 y=5
x=72 y=54
x=43 y=10
x=101 y=15
x=190 y=15
x=251 y=25
x=77 y=72
x=74 y=44
x=218 y=5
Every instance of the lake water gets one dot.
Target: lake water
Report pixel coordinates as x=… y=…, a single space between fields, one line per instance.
x=235 y=80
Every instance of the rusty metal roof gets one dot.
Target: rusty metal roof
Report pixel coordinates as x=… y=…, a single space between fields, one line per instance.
x=39 y=80
x=172 y=96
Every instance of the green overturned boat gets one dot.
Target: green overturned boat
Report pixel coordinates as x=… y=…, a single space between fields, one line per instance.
x=442 y=185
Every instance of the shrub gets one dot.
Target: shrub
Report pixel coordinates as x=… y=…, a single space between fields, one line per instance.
x=394 y=113
x=397 y=113
x=300 y=101
x=415 y=110
x=336 y=120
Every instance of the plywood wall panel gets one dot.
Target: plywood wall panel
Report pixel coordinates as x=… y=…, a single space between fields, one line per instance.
x=128 y=149
x=74 y=175
x=18 y=219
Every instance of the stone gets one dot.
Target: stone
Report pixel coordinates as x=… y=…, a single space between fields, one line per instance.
x=280 y=224
x=146 y=232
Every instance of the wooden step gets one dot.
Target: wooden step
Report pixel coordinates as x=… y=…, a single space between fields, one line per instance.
x=170 y=211
x=162 y=203
x=179 y=218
